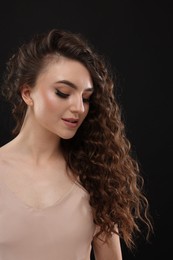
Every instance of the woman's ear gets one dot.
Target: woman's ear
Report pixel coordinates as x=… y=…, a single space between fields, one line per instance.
x=26 y=95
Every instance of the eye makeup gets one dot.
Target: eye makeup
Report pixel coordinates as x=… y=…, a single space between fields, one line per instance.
x=67 y=84
x=61 y=94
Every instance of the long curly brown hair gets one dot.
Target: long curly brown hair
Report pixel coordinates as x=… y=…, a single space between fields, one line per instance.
x=100 y=153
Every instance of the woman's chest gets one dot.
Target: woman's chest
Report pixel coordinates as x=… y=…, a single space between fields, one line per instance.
x=36 y=188
x=68 y=221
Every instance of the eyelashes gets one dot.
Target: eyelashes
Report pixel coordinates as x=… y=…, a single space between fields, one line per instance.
x=61 y=94
x=64 y=95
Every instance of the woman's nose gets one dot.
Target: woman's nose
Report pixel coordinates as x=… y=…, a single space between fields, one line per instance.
x=78 y=105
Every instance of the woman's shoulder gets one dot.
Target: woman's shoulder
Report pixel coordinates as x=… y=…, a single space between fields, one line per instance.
x=8 y=151
x=4 y=153
x=5 y=159
x=5 y=150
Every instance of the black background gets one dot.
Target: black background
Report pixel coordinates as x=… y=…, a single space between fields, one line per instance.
x=136 y=38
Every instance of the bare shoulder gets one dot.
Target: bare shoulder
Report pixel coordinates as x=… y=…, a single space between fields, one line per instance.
x=5 y=159
x=4 y=151
x=3 y=155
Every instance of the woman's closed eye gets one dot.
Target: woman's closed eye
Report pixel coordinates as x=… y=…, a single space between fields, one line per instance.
x=61 y=94
x=65 y=95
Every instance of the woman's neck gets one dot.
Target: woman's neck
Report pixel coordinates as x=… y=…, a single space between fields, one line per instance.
x=37 y=146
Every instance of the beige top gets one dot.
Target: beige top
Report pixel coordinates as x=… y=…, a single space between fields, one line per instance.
x=62 y=231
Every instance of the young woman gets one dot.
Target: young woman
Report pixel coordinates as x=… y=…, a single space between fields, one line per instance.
x=68 y=180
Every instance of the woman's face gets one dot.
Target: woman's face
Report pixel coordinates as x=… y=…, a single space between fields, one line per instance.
x=61 y=97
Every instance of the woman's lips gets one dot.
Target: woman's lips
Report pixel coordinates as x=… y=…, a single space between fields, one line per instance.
x=71 y=122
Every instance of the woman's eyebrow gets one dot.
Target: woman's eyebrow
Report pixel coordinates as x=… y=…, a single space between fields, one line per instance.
x=72 y=85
